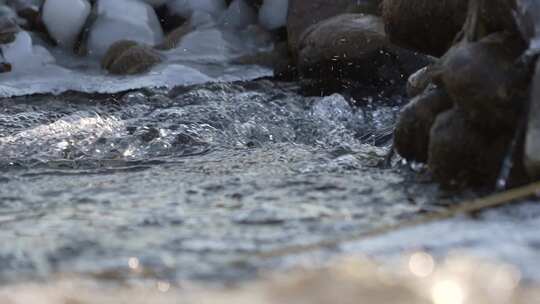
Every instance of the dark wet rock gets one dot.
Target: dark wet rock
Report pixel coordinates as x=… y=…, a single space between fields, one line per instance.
x=484 y=81
x=528 y=21
x=127 y=57
x=5 y=67
x=419 y=81
x=305 y=13
x=8 y=30
x=370 y=7
x=424 y=25
x=532 y=141
x=412 y=133
x=174 y=38
x=462 y=154
x=168 y=20
x=351 y=51
x=487 y=17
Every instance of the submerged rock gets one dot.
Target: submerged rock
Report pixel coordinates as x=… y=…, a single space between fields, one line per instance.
x=424 y=25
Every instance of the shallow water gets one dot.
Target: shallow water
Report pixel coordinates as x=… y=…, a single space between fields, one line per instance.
x=197 y=182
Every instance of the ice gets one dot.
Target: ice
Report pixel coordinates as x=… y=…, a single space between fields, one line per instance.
x=273 y=14
x=186 y=8
x=239 y=15
x=65 y=19
x=123 y=19
x=206 y=45
x=155 y=3
x=23 y=56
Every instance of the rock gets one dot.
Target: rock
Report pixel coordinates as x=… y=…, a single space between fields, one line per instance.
x=352 y=50
x=64 y=19
x=424 y=25
x=123 y=20
x=419 y=81
x=304 y=13
x=532 y=140
x=174 y=38
x=370 y=7
x=484 y=81
x=168 y=19
x=412 y=132
x=462 y=154
x=8 y=30
x=127 y=57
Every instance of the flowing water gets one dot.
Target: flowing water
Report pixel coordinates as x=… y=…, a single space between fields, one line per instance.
x=201 y=180
x=197 y=182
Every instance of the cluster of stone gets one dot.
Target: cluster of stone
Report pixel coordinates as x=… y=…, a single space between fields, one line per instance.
x=470 y=69
x=468 y=113
x=127 y=36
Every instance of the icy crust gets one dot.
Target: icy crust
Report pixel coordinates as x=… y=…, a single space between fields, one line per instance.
x=202 y=57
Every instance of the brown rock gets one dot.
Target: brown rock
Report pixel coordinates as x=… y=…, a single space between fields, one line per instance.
x=419 y=81
x=305 y=13
x=427 y=26
x=484 y=81
x=352 y=50
x=174 y=38
x=369 y=7
x=128 y=57
x=461 y=154
x=412 y=133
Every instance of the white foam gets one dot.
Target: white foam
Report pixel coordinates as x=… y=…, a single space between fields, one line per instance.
x=123 y=19
x=273 y=14
x=65 y=19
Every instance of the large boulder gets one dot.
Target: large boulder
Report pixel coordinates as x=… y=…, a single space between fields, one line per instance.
x=462 y=154
x=351 y=50
x=425 y=25
x=484 y=81
x=412 y=132
x=305 y=13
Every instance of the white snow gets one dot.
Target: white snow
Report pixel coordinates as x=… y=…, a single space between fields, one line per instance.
x=123 y=19
x=239 y=15
x=65 y=19
x=24 y=56
x=273 y=14
x=186 y=8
